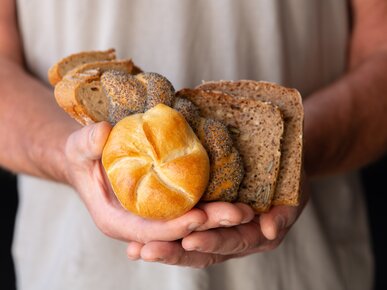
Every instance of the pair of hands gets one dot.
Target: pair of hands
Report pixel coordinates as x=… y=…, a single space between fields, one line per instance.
x=208 y=234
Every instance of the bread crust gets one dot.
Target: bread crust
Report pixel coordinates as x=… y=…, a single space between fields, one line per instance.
x=67 y=90
x=289 y=101
x=273 y=178
x=156 y=165
x=59 y=69
x=258 y=129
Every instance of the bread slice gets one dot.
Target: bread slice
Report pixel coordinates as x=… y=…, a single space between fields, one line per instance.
x=256 y=128
x=62 y=67
x=80 y=91
x=290 y=103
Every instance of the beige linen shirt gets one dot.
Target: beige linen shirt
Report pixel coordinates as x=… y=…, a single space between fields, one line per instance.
x=298 y=43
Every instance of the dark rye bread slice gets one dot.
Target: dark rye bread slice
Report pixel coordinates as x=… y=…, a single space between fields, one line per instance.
x=62 y=67
x=289 y=101
x=80 y=91
x=256 y=128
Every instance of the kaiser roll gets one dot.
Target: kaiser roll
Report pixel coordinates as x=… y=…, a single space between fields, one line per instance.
x=156 y=165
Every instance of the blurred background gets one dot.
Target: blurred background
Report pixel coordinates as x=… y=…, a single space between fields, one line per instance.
x=373 y=176
x=7 y=219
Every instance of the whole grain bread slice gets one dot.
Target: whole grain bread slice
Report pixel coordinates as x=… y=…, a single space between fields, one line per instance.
x=256 y=128
x=80 y=91
x=63 y=66
x=290 y=103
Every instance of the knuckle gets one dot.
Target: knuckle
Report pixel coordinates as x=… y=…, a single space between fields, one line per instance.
x=244 y=246
x=142 y=238
x=209 y=260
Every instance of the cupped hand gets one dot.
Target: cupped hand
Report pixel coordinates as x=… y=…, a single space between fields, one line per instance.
x=214 y=242
x=86 y=174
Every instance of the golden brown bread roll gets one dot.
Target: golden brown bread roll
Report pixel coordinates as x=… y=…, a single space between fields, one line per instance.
x=155 y=163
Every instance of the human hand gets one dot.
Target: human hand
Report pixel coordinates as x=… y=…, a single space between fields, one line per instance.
x=86 y=174
x=214 y=243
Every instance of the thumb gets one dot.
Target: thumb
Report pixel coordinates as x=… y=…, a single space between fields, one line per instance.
x=88 y=142
x=277 y=219
x=282 y=217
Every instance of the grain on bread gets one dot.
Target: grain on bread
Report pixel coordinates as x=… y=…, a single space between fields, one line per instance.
x=290 y=103
x=80 y=92
x=256 y=128
x=133 y=94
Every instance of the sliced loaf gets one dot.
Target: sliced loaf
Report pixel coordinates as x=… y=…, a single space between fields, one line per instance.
x=80 y=91
x=290 y=103
x=256 y=128
x=62 y=67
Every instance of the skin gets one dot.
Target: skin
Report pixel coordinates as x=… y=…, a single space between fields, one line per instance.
x=341 y=132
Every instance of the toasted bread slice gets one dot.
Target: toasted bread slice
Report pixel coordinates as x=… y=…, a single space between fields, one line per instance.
x=62 y=67
x=290 y=103
x=256 y=128
x=80 y=91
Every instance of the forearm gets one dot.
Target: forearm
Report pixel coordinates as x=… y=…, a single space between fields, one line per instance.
x=344 y=122
x=33 y=128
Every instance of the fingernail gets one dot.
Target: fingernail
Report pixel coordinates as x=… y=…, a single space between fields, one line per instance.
x=190 y=249
x=193 y=226
x=155 y=259
x=246 y=220
x=132 y=258
x=225 y=223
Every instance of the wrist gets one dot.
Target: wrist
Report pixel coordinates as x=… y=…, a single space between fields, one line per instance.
x=47 y=153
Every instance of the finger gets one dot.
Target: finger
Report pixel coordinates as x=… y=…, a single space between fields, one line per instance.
x=172 y=253
x=226 y=241
x=281 y=218
x=133 y=250
x=225 y=214
x=88 y=142
x=121 y=224
x=277 y=219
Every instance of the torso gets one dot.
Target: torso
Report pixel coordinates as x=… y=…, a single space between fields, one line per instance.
x=298 y=43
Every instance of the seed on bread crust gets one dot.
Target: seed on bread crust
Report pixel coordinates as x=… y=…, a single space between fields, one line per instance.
x=125 y=93
x=217 y=138
x=159 y=89
x=188 y=110
x=226 y=174
x=112 y=90
x=226 y=167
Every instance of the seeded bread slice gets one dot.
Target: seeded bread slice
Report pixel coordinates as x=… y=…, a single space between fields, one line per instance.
x=290 y=103
x=256 y=128
x=80 y=91
x=62 y=67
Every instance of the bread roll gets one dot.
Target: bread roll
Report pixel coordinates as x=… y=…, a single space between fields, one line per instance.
x=156 y=165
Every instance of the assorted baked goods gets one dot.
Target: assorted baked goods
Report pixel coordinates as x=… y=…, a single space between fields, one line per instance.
x=228 y=141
